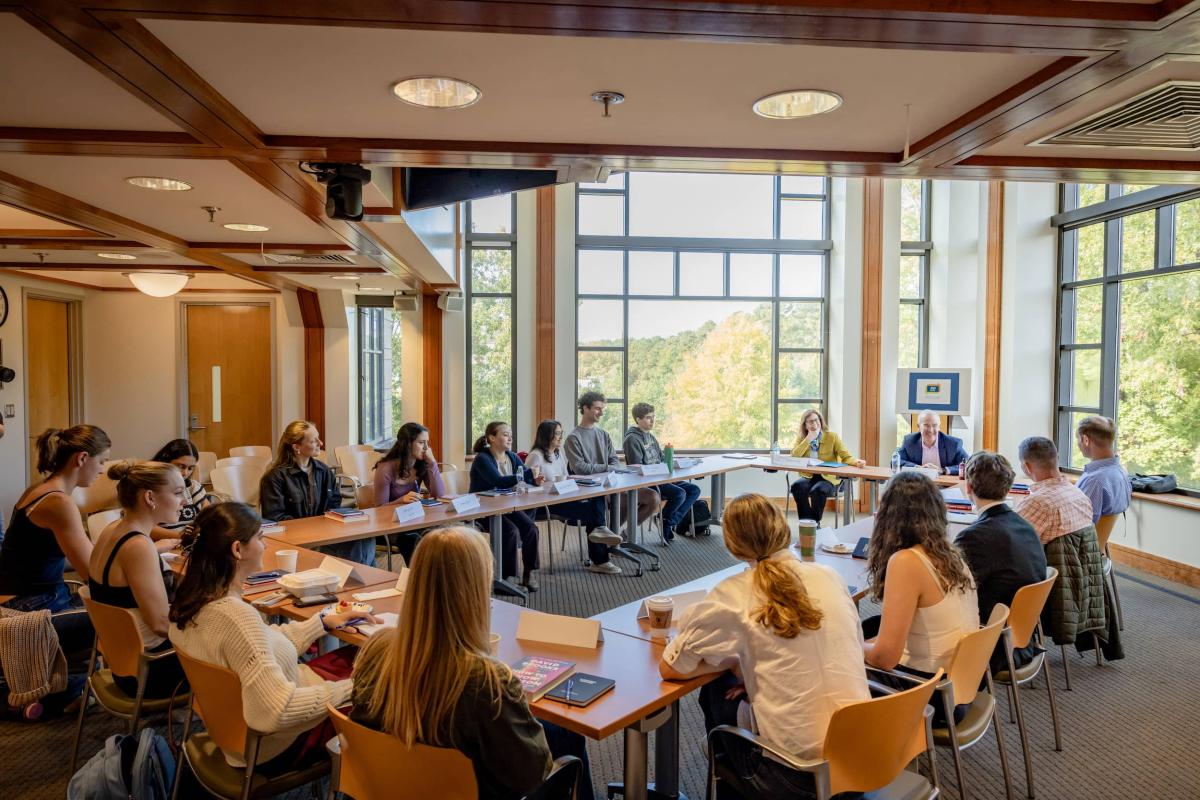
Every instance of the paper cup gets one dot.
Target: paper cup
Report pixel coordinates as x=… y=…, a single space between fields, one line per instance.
x=808 y=539
x=660 y=609
x=286 y=560
x=494 y=643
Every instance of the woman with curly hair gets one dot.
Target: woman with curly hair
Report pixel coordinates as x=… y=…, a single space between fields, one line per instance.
x=925 y=587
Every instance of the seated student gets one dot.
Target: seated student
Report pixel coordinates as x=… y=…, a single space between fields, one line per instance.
x=125 y=569
x=1104 y=480
x=641 y=447
x=814 y=440
x=432 y=680
x=46 y=531
x=927 y=593
x=932 y=449
x=495 y=467
x=183 y=455
x=547 y=462
x=792 y=628
x=589 y=450
x=1055 y=506
x=297 y=485
x=210 y=622
x=1001 y=549
x=407 y=469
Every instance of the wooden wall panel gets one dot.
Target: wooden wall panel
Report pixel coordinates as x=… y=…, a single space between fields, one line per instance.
x=543 y=387
x=314 y=357
x=992 y=307
x=872 y=308
x=431 y=360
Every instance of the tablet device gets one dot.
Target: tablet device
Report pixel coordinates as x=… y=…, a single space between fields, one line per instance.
x=860 y=549
x=580 y=689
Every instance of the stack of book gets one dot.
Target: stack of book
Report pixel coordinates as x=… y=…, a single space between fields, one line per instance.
x=539 y=675
x=960 y=506
x=346 y=514
x=1019 y=488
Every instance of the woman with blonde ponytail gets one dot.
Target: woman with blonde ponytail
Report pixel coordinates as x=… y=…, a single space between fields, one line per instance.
x=789 y=634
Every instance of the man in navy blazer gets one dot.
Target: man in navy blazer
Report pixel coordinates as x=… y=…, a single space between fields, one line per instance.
x=931 y=448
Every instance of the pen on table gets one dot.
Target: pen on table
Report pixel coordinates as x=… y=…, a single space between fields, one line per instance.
x=570 y=683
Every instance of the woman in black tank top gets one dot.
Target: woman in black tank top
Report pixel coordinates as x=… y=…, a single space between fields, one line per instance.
x=126 y=570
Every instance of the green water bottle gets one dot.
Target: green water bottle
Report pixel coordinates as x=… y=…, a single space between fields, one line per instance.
x=669 y=458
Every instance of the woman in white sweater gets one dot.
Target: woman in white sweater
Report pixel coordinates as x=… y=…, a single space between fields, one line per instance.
x=212 y=623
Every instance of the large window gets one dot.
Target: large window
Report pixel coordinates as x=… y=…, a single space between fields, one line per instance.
x=915 y=245
x=704 y=295
x=1129 y=331
x=379 y=400
x=491 y=246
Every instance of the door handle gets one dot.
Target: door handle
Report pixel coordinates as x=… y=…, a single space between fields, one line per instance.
x=192 y=426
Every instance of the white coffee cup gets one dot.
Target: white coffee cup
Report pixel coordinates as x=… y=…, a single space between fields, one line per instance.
x=286 y=560
x=494 y=643
x=660 y=610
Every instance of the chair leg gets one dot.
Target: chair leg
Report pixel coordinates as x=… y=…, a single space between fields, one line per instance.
x=998 y=732
x=1016 y=696
x=1053 y=704
x=1066 y=667
x=954 y=750
x=1112 y=576
x=1096 y=644
x=1012 y=704
x=182 y=764
x=83 y=702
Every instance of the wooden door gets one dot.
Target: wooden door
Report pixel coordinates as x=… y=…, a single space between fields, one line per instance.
x=230 y=390
x=48 y=334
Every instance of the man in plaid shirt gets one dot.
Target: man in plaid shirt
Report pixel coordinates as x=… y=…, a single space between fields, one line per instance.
x=1054 y=507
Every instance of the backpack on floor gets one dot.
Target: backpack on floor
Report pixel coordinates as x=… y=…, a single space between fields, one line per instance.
x=702 y=515
x=128 y=768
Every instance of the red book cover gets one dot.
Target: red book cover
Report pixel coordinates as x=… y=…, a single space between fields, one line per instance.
x=539 y=675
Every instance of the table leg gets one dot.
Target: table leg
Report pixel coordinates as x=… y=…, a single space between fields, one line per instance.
x=632 y=544
x=665 y=723
x=717 y=489
x=666 y=756
x=848 y=511
x=874 y=496
x=499 y=584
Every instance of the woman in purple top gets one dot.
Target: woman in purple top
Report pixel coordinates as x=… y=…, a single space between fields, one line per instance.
x=401 y=475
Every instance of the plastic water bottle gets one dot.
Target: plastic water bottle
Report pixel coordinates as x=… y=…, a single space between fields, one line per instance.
x=775 y=451
x=814 y=446
x=522 y=487
x=895 y=461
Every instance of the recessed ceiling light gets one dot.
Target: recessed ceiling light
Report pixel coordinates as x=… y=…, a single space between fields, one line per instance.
x=245 y=226
x=796 y=103
x=370 y=288
x=159 y=184
x=344 y=277
x=118 y=256
x=433 y=91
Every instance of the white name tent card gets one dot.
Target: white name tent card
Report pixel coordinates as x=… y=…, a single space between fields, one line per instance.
x=410 y=512
x=654 y=469
x=564 y=487
x=395 y=591
x=683 y=602
x=343 y=569
x=534 y=626
x=464 y=503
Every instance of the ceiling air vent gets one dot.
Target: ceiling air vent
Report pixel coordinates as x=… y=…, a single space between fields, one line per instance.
x=1166 y=117
x=315 y=261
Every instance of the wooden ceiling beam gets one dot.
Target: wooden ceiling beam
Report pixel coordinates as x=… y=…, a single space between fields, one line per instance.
x=110 y=267
x=273 y=247
x=58 y=243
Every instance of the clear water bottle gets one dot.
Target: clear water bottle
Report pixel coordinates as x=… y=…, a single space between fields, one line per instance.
x=775 y=451
x=522 y=487
x=814 y=446
x=895 y=461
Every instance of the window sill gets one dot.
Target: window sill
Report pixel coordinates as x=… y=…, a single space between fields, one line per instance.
x=1177 y=500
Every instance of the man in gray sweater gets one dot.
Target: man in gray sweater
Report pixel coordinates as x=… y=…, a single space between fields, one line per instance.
x=641 y=447
x=589 y=450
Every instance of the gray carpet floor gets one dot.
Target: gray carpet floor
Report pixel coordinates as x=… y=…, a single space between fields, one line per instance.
x=1130 y=728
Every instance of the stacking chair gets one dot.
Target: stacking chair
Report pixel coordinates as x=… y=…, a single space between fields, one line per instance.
x=96 y=523
x=204 y=467
x=217 y=699
x=841 y=494
x=457 y=482
x=446 y=466
x=372 y=765
x=357 y=466
x=1024 y=628
x=119 y=641
x=251 y=451
x=250 y=461
x=867 y=746
x=1104 y=529
x=239 y=482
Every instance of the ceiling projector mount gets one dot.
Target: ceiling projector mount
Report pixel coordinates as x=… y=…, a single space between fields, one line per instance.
x=343 y=187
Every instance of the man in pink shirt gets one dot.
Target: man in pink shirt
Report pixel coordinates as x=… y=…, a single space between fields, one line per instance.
x=1054 y=506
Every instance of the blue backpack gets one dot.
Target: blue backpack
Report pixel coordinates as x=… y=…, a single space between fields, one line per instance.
x=128 y=768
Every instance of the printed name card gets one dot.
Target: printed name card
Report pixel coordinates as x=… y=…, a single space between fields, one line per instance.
x=395 y=591
x=655 y=469
x=343 y=569
x=534 y=626
x=464 y=503
x=564 y=487
x=410 y=512
x=683 y=602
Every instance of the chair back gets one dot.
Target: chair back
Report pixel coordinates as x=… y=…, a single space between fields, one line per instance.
x=972 y=655
x=359 y=464
x=457 y=482
x=96 y=523
x=239 y=482
x=118 y=634
x=1104 y=529
x=251 y=451
x=204 y=466
x=364 y=497
x=260 y=464
x=870 y=742
x=342 y=453
x=1027 y=608
x=446 y=466
x=377 y=766
x=217 y=698
x=100 y=496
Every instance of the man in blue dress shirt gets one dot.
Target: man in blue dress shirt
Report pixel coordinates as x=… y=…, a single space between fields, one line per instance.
x=1104 y=480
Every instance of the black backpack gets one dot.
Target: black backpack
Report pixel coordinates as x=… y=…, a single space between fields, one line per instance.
x=702 y=515
x=1153 y=484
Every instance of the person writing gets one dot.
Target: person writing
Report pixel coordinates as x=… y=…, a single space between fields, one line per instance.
x=926 y=590
x=814 y=440
x=641 y=447
x=183 y=455
x=792 y=629
x=125 y=569
x=297 y=485
x=408 y=468
x=546 y=461
x=432 y=680
x=931 y=449
x=210 y=622
x=496 y=466
x=1104 y=480
x=589 y=450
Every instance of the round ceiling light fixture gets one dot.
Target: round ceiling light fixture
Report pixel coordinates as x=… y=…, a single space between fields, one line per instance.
x=797 y=103
x=158 y=284
x=118 y=256
x=436 y=91
x=159 y=184
x=245 y=226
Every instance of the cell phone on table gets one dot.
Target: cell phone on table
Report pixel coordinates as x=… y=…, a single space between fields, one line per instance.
x=430 y=501
x=860 y=549
x=315 y=600
x=268 y=600
x=264 y=577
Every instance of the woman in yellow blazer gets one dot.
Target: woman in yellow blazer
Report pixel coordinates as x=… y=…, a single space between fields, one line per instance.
x=816 y=441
